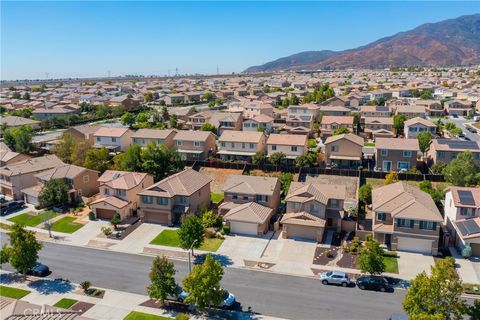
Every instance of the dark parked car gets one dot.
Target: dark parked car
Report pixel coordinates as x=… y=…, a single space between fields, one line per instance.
x=11 y=206
x=373 y=283
x=40 y=270
x=472 y=130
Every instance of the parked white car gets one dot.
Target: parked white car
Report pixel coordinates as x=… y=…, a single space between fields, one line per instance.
x=335 y=277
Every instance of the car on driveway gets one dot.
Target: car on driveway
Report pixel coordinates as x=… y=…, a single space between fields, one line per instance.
x=10 y=206
x=335 y=277
x=39 y=270
x=376 y=283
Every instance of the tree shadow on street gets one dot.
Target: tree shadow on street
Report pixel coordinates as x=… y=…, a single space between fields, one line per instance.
x=48 y=286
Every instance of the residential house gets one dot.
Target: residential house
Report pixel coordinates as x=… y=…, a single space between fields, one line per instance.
x=125 y=101
x=458 y=107
x=84 y=133
x=174 y=99
x=260 y=121
x=250 y=218
x=331 y=123
x=15 y=122
x=378 y=127
x=394 y=154
x=15 y=177
x=8 y=156
x=168 y=200
x=194 y=145
x=434 y=108
x=254 y=109
x=445 y=150
x=312 y=208
x=462 y=218
x=344 y=151
x=375 y=111
x=57 y=111
x=161 y=137
x=80 y=181
x=333 y=110
x=114 y=139
x=240 y=145
x=300 y=118
x=414 y=126
x=405 y=218
x=411 y=111
x=119 y=193
x=292 y=145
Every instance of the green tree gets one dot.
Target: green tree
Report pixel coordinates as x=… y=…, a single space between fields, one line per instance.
x=341 y=130
x=306 y=160
x=474 y=310
x=210 y=219
x=160 y=161
x=116 y=219
x=16 y=95
x=97 y=159
x=278 y=158
x=365 y=193
x=391 y=177
x=285 y=103
x=130 y=160
x=424 y=139
x=22 y=253
x=371 y=258
x=65 y=147
x=162 y=279
x=26 y=96
x=312 y=144
x=461 y=171
x=173 y=122
x=208 y=96
x=399 y=123
x=285 y=181
x=191 y=232
x=209 y=127
x=148 y=97
x=437 y=294
x=128 y=119
x=259 y=158
x=437 y=167
x=294 y=100
x=54 y=193
x=203 y=284
x=19 y=139
x=79 y=153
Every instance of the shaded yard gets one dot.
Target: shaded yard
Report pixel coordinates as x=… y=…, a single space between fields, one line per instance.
x=66 y=225
x=13 y=293
x=134 y=315
x=170 y=238
x=31 y=220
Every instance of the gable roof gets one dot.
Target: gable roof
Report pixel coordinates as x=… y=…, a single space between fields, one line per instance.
x=459 y=201
x=418 y=120
x=303 y=219
x=192 y=135
x=184 y=183
x=110 y=132
x=250 y=184
x=337 y=119
x=121 y=179
x=66 y=171
x=31 y=165
x=304 y=192
x=347 y=136
x=241 y=136
x=249 y=212
x=153 y=133
x=397 y=144
x=287 y=139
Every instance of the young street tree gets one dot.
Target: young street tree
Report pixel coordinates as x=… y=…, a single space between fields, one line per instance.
x=54 y=193
x=437 y=295
x=371 y=258
x=22 y=253
x=162 y=279
x=203 y=284
x=191 y=232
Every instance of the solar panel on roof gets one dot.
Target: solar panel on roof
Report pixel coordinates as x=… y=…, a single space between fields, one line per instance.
x=471 y=226
x=466 y=197
x=462 y=228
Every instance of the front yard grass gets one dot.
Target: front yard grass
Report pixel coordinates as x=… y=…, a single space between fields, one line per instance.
x=391 y=264
x=65 y=303
x=134 y=315
x=216 y=197
x=66 y=225
x=31 y=220
x=13 y=293
x=5 y=226
x=369 y=144
x=170 y=238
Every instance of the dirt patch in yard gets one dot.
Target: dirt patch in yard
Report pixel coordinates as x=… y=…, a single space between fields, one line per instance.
x=351 y=184
x=275 y=174
x=219 y=176
x=321 y=255
x=348 y=261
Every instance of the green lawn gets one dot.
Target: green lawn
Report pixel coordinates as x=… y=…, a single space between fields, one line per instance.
x=14 y=293
x=369 y=144
x=134 y=315
x=216 y=197
x=66 y=225
x=170 y=238
x=5 y=226
x=391 y=264
x=65 y=303
x=31 y=220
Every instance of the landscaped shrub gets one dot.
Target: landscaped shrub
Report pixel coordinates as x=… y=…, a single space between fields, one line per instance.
x=106 y=231
x=210 y=233
x=91 y=216
x=369 y=237
x=182 y=316
x=226 y=230
x=85 y=285
x=329 y=254
x=210 y=219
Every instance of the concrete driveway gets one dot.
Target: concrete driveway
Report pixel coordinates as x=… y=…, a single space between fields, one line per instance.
x=139 y=238
x=240 y=248
x=410 y=264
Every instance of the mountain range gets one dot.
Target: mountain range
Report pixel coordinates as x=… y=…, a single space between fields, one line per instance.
x=452 y=42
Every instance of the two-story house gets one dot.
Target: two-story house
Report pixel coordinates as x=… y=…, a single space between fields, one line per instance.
x=414 y=126
x=144 y=136
x=194 y=145
x=411 y=111
x=331 y=123
x=240 y=145
x=84 y=133
x=433 y=108
x=312 y=208
x=15 y=177
x=344 y=151
x=300 y=118
x=256 y=123
x=226 y=121
x=292 y=145
x=375 y=111
x=458 y=107
x=405 y=218
x=462 y=218
x=375 y=127
x=114 y=139
x=445 y=150
x=80 y=181
x=249 y=203
x=119 y=193
x=168 y=200
x=392 y=154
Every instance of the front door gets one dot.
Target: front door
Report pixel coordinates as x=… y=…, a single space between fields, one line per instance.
x=388 y=239
x=387 y=165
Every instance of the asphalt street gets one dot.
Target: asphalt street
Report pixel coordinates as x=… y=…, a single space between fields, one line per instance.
x=267 y=293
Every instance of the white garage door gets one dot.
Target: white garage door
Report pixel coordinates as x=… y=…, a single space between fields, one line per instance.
x=414 y=245
x=32 y=200
x=244 y=228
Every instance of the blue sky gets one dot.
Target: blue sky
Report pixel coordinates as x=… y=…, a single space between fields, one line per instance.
x=82 y=39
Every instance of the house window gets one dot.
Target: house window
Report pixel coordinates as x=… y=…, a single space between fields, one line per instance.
x=464 y=211
x=106 y=191
x=147 y=199
x=428 y=225
x=246 y=125
x=274 y=147
x=252 y=145
x=183 y=200
x=294 y=148
x=114 y=139
x=162 y=201
x=333 y=203
x=381 y=216
x=243 y=145
x=403 y=165
x=313 y=207
x=261 y=198
x=196 y=143
x=99 y=139
x=296 y=206
x=405 y=223
x=245 y=197
x=120 y=192
x=179 y=142
x=232 y=144
x=335 y=148
x=86 y=179
x=384 y=152
x=441 y=154
x=222 y=144
x=234 y=196
x=407 y=154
